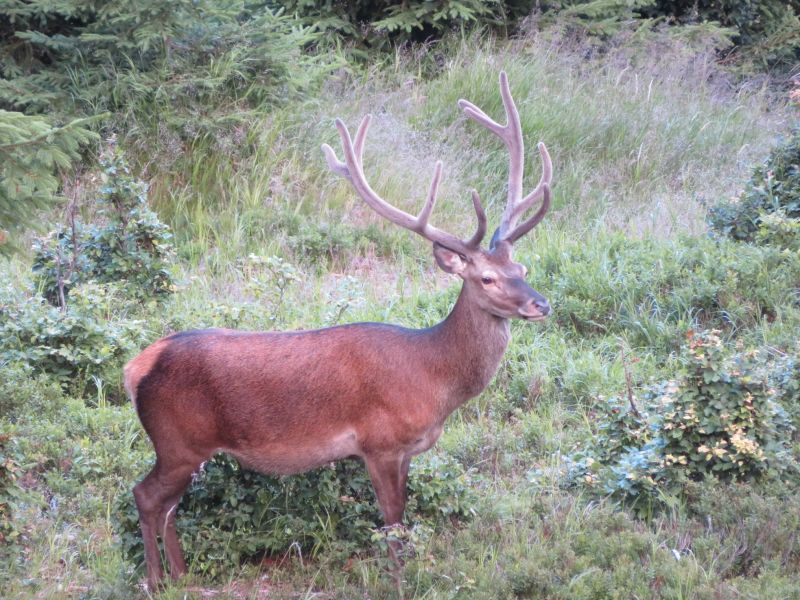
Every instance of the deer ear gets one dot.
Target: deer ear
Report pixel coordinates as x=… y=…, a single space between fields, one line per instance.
x=448 y=260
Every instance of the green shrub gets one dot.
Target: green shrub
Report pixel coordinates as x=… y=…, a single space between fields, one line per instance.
x=9 y=471
x=77 y=458
x=719 y=418
x=767 y=32
x=723 y=418
x=376 y=23
x=23 y=391
x=652 y=292
x=785 y=378
x=780 y=230
x=131 y=248
x=774 y=187
x=82 y=349
x=230 y=514
x=133 y=56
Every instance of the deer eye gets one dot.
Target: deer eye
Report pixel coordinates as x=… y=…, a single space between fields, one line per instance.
x=487 y=280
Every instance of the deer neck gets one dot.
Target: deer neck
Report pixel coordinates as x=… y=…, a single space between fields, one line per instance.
x=469 y=345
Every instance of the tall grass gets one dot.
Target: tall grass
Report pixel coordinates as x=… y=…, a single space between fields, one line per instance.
x=641 y=138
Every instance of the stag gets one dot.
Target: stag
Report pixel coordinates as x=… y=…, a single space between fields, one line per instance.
x=287 y=402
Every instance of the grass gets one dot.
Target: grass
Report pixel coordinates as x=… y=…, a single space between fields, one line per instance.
x=641 y=138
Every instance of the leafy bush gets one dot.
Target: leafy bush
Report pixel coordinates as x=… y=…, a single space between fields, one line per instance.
x=785 y=377
x=723 y=418
x=231 y=514
x=77 y=458
x=8 y=475
x=80 y=349
x=23 y=391
x=773 y=189
x=720 y=418
x=132 y=248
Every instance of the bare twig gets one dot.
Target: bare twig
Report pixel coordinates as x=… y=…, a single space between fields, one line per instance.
x=62 y=299
x=628 y=380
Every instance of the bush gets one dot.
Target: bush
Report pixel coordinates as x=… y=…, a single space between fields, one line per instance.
x=720 y=418
x=231 y=514
x=8 y=475
x=81 y=349
x=376 y=23
x=76 y=459
x=23 y=391
x=132 y=247
x=769 y=207
x=135 y=56
x=767 y=32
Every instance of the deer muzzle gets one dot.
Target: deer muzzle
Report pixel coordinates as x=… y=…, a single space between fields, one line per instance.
x=536 y=308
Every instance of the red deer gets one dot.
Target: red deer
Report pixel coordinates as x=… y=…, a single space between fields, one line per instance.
x=287 y=402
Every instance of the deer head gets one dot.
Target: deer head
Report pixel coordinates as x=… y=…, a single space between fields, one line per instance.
x=491 y=277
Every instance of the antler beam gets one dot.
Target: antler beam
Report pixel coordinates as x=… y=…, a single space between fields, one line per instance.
x=353 y=169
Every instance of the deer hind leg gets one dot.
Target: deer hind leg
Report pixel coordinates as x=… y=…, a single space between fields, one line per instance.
x=157 y=496
x=169 y=531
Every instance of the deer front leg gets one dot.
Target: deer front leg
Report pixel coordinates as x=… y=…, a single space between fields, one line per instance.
x=389 y=475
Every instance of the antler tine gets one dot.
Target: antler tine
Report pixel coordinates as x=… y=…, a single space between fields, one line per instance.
x=545 y=180
x=353 y=169
x=511 y=134
x=524 y=227
x=334 y=163
x=477 y=237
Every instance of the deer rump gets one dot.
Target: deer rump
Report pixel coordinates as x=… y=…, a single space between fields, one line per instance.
x=281 y=403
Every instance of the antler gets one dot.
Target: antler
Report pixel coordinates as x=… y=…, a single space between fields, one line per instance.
x=353 y=169
x=511 y=134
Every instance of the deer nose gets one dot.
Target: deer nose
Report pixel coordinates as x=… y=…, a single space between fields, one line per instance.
x=535 y=308
x=542 y=306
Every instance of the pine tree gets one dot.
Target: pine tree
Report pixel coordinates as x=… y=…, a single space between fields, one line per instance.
x=32 y=153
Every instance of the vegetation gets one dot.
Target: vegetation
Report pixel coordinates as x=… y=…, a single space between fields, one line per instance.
x=32 y=151
x=769 y=208
x=641 y=442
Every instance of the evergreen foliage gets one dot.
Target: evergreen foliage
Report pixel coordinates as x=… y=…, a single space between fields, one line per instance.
x=767 y=32
x=82 y=58
x=32 y=153
x=602 y=18
x=376 y=23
